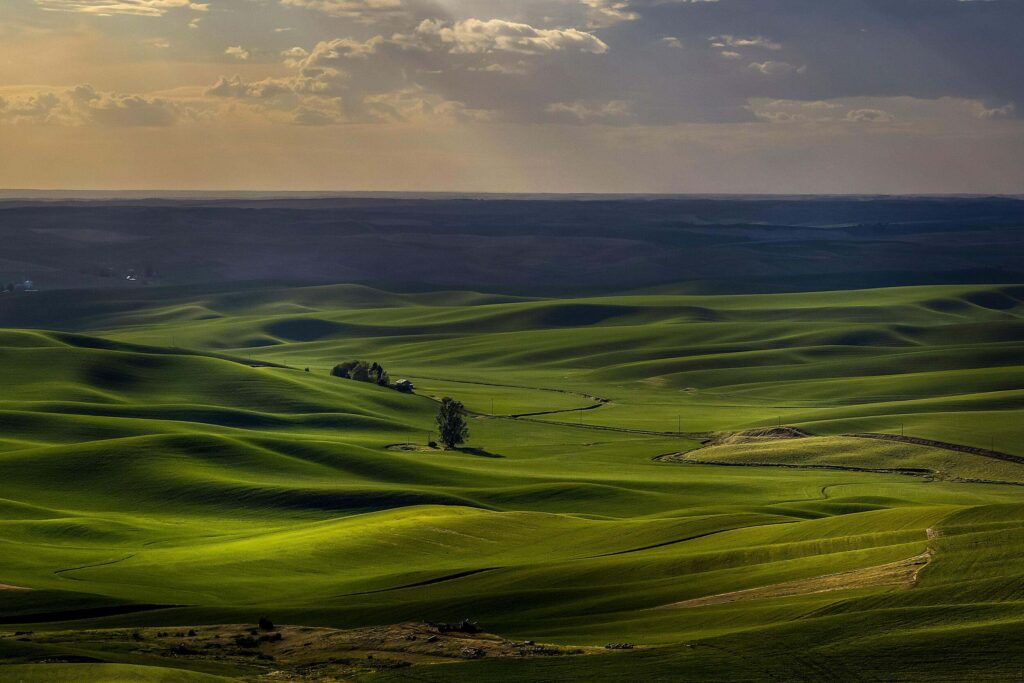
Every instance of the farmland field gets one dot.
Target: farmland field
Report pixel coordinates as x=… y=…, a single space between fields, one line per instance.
x=189 y=461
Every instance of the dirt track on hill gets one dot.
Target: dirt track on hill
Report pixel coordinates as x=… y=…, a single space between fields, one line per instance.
x=900 y=573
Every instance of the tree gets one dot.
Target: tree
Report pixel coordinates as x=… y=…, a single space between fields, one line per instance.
x=451 y=423
x=362 y=371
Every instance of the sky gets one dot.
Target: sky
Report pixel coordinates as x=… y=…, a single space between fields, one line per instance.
x=660 y=96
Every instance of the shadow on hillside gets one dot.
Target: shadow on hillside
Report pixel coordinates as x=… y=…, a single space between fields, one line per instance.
x=478 y=452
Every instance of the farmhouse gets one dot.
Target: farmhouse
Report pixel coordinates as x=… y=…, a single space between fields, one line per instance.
x=404 y=385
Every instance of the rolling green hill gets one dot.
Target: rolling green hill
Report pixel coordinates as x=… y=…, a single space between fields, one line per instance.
x=186 y=459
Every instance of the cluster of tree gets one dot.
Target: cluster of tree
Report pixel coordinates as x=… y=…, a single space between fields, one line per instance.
x=451 y=423
x=362 y=371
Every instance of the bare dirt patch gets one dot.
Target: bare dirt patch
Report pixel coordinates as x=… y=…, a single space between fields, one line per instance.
x=305 y=653
x=9 y=587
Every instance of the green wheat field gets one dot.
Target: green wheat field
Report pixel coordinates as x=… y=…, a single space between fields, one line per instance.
x=785 y=487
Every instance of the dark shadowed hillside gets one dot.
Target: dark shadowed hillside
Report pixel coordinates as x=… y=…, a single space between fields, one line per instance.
x=514 y=245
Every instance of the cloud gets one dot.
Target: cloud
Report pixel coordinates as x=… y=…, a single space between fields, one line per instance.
x=147 y=8
x=909 y=112
x=309 y=116
x=84 y=104
x=415 y=104
x=293 y=56
x=606 y=12
x=33 y=108
x=672 y=41
x=475 y=36
x=238 y=52
x=357 y=9
x=774 y=68
x=1007 y=111
x=337 y=50
x=129 y=110
x=234 y=86
x=591 y=112
x=726 y=41
x=518 y=68
x=869 y=116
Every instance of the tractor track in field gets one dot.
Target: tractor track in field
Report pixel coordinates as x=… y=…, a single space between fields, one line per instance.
x=598 y=401
x=90 y=566
x=682 y=540
x=426 y=582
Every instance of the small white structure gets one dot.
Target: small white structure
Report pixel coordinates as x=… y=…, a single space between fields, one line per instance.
x=404 y=385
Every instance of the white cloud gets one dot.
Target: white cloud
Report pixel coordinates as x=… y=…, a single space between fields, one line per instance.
x=148 y=8
x=340 y=49
x=671 y=41
x=607 y=12
x=293 y=56
x=238 y=52
x=475 y=36
x=727 y=41
x=773 y=68
x=358 y=9
x=1007 y=111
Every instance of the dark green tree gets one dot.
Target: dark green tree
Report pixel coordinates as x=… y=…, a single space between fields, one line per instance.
x=451 y=423
x=362 y=371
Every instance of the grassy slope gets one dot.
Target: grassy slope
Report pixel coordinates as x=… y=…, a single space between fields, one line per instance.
x=132 y=476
